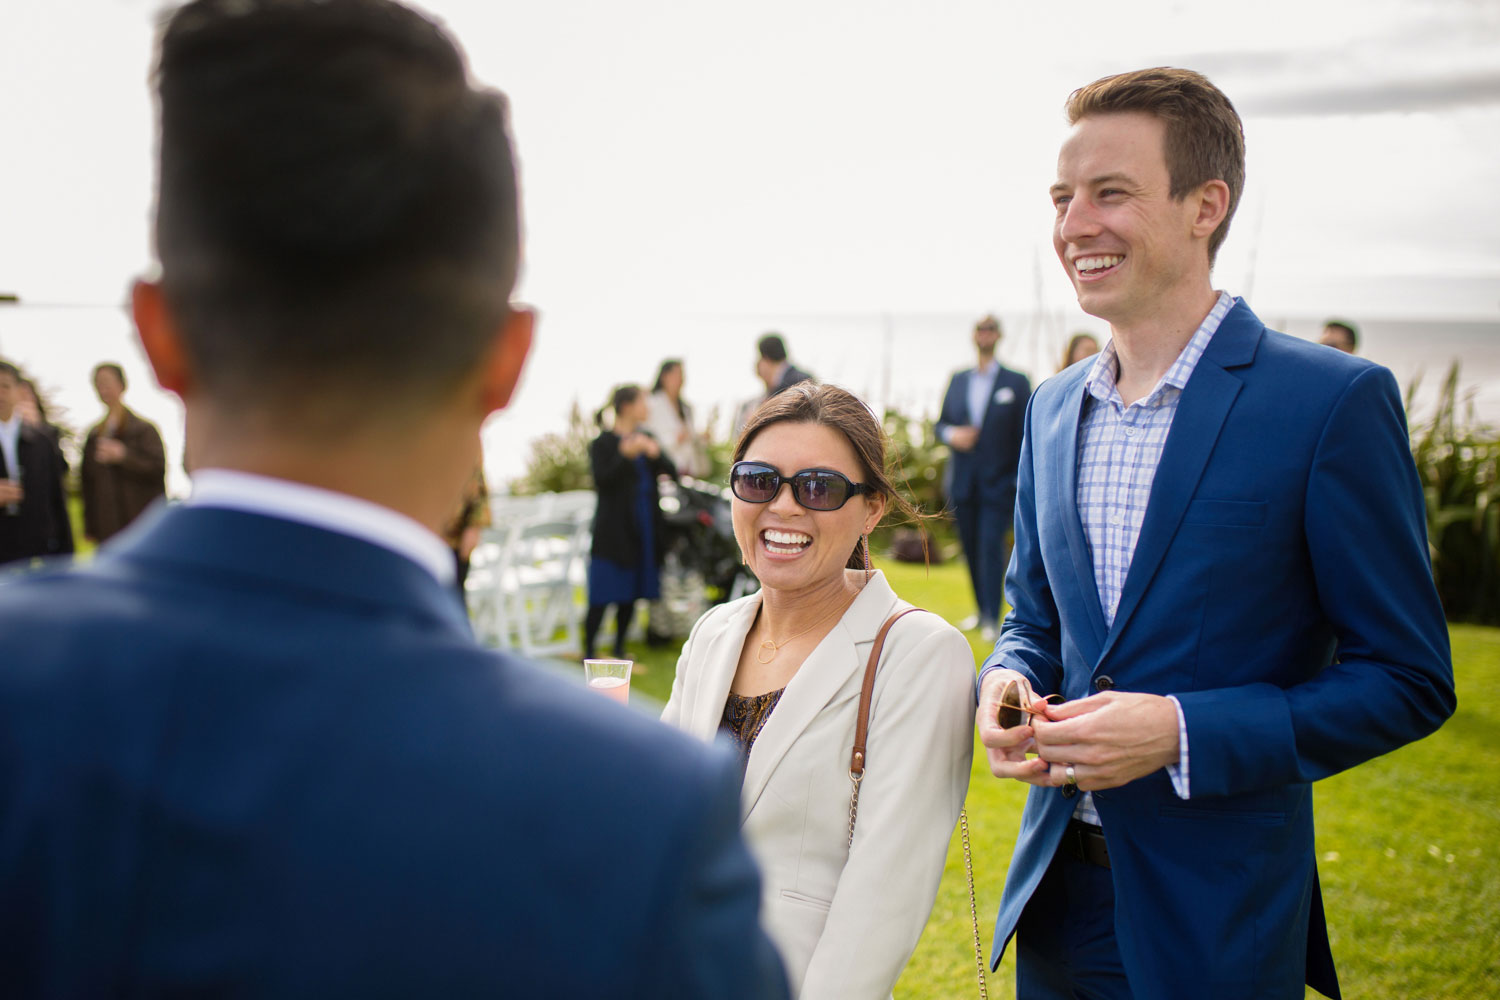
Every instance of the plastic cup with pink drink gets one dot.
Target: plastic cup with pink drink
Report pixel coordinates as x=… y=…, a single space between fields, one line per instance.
x=610 y=678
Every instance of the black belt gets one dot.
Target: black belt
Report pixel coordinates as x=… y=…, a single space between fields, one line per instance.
x=1085 y=842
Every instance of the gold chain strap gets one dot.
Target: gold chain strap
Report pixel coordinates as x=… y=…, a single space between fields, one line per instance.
x=963 y=826
x=854 y=779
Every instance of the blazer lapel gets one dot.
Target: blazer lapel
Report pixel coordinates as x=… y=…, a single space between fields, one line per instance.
x=1201 y=412
x=1065 y=468
x=841 y=654
x=720 y=659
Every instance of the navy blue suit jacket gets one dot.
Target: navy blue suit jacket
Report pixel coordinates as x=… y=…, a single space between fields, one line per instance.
x=986 y=474
x=1281 y=589
x=245 y=757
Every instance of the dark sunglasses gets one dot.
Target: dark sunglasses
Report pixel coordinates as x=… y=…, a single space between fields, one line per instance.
x=815 y=489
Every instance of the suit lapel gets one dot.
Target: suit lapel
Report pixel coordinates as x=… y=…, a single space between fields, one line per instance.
x=1201 y=412
x=826 y=671
x=1065 y=469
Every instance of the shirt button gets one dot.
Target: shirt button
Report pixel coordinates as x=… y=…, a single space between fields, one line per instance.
x=1116 y=519
x=1129 y=431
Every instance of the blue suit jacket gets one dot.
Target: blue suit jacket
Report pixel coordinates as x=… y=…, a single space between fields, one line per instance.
x=1281 y=590
x=245 y=757
x=987 y=474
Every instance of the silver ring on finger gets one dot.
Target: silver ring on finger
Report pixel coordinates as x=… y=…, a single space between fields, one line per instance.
x=1072 y=777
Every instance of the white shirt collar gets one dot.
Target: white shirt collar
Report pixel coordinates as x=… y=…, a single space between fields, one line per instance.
x=229 y=489
x=10 y=441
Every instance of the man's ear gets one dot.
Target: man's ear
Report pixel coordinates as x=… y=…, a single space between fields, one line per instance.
x=157 y=329
x=1212 y=205
x=507 y=356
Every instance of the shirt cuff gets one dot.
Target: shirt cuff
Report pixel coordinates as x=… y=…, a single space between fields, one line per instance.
x=1178 y=772
x=946 y=434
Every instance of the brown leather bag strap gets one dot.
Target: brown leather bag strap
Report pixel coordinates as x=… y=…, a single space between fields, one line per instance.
x=866 y=692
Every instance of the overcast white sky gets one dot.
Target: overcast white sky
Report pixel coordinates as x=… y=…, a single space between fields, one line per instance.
x=684 y=157
x=850 y=155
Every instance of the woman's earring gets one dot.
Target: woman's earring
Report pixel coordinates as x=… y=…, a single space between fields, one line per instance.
x=867 y=555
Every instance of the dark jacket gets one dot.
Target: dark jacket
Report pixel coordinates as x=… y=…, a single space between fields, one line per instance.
x=791 y=377
x=616 y=535
x=227 y=771
x=987 y=474
x=40 y=526
x=115 y=494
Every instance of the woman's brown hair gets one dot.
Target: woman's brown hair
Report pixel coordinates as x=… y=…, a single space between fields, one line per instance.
x=840 y=410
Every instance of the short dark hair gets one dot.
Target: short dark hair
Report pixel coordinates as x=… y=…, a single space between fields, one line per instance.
x=1350 y=331
x=336 y=205
x=112 y=368
x=1205 y=139
x=6 y=368
x=772 y=348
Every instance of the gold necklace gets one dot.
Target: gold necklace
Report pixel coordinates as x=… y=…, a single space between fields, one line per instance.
x=775 y=647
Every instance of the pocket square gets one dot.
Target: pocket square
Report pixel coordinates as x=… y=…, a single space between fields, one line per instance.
x=1005 y=394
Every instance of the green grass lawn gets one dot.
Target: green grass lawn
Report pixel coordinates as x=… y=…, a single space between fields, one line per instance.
x=1408 y=845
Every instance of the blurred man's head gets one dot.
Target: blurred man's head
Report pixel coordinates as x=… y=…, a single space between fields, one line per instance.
x=770 y=356
x=1340 y=334
x=987 y=335
x=109 y=382
x=336 y=216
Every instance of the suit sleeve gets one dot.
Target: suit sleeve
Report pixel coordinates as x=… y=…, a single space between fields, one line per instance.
x=921 y=746
x=1018 y=427
x=712 y=944
x=1031 y=637
x=1392 y=679
x=952 y=414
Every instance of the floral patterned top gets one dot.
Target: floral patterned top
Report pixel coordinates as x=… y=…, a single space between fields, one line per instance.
x=745 y=717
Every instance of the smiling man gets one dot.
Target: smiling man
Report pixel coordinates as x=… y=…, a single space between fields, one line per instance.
x=1220 y=570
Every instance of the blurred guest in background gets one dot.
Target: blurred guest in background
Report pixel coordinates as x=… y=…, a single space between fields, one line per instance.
x=670 y=421
x=774 y=369
x=1341 y=335
x=983 y=415
x=781 y=672
x=33 y=507
x=34 y=411
x=1080 y=346
x=625 y=558
x=473 y=516
x=124 y=466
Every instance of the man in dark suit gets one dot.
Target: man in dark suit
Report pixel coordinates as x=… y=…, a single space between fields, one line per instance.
x=771 y=364
x=252 y=749
x=983 y=413
x=33 y=510
x=1221 y=564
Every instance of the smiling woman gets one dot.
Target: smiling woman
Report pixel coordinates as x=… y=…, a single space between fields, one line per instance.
x=781 y=672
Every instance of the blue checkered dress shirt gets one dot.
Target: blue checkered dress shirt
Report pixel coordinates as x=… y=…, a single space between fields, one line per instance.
x=1119 y=448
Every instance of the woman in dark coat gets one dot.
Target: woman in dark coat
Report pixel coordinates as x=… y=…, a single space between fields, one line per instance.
x=626 y=553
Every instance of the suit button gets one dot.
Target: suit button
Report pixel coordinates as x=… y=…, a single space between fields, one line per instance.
x=1104 y=682
x=1069 y=791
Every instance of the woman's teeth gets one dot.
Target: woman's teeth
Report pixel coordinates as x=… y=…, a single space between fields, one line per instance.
x=785 y=542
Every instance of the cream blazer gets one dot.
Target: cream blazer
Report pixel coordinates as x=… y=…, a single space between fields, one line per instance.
x=846 y=921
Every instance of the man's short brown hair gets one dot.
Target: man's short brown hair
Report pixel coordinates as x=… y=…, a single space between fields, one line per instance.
x=1205 y=140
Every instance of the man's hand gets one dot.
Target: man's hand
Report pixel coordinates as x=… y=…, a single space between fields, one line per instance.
x=11 y=492
x=963 y=438
x=109 y=451
x=1110 y=739
x=1006 y=748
